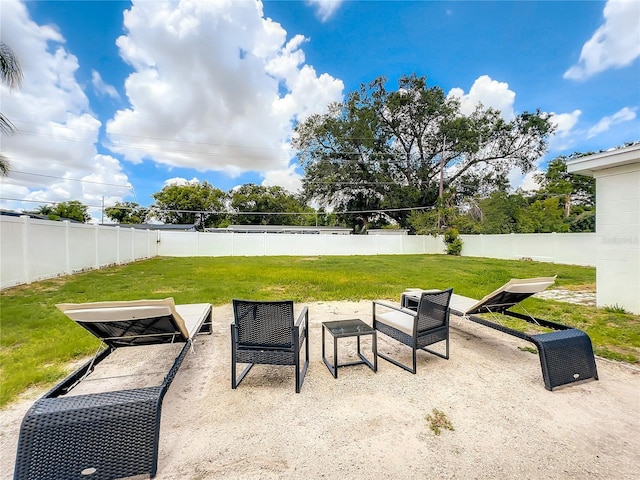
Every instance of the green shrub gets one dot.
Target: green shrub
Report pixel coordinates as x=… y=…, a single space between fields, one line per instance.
x=454 y=243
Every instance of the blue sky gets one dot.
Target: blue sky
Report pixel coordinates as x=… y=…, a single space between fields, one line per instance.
x=120 y=98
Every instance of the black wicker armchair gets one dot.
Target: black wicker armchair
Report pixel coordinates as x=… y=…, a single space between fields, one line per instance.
x=264 y=332
x=426 y=325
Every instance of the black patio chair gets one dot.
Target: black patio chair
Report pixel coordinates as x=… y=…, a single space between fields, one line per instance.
x=264 y=332
x=426 y=325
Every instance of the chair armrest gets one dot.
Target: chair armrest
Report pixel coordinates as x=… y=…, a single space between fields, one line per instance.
x=304 y=315
x=394 y=307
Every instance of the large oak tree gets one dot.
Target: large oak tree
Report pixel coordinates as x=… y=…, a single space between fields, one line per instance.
x=381 y=150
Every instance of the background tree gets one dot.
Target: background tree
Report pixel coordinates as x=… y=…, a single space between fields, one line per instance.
x=11 y=75
x=544 y=216
x=127 y=213
x=71 y=210
x=381 y=150
x=194 y=203
x=572 y=189
x=260 y=199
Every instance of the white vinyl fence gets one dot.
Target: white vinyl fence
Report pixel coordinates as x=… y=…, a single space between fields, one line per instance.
x=186 y=244
x=567 y=248
x=32 y=249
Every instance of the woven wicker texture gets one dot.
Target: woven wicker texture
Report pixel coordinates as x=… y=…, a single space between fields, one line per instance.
x=264 y=324
x=566 y=356
x=265 y=333
x=101 y=436
x=433 y=310
x=112 y=434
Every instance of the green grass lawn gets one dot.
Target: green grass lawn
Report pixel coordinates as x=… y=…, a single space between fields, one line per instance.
x=37 y=342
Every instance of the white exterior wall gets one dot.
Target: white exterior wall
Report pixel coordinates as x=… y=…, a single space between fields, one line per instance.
x=617 y=174
x=618 y=237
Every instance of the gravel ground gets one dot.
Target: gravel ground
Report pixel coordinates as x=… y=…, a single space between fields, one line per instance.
x=374 y=425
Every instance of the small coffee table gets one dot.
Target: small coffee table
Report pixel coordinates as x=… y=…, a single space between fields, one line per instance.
x=349 y=328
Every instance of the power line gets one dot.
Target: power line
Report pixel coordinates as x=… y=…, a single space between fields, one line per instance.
x=225 y=212
x=70 y=179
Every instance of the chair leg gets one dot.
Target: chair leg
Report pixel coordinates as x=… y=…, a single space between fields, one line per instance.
x=234 y=382
x=398 y=364
x=438 y=354
x=301 y=374
x=415 y=359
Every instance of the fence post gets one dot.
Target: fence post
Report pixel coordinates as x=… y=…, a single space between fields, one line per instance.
x=67 y=247
x=118 y=245
x=96 y=246
x=25 y=247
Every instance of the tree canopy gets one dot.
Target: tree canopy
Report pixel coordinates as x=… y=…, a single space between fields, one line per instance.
x=386 y=150
x=249 y=202
x=193 y=203
x=71 y=210
x=127 y=213
x=573 y=189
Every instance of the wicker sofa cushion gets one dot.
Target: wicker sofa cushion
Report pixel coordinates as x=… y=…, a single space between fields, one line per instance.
x=398 y=320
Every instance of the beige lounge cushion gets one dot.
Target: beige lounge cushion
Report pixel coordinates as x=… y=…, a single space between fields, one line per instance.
x=398 y=320
x=124 y=311
x=194 y=315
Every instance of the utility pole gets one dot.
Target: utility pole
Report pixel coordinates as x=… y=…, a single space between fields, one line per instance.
x=441 y=186
x=442 y=164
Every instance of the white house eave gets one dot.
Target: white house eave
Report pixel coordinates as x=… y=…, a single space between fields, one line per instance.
x=617 y=157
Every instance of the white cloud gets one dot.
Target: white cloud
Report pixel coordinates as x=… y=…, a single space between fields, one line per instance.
x=53 y=153
x=528 y=182
x=626 y=114
x=216 y=87
x=614 y=44
x=102 y=88
x=565 y=134
x=325 y=8
x=288 y=179
x=490 y=93
x=564 y=122
x=181 y=181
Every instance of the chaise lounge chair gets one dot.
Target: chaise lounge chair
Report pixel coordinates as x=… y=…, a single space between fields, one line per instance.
x=566 y=354
x=114 y=433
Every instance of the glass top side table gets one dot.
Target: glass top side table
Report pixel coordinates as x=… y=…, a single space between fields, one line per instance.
x=344 y=329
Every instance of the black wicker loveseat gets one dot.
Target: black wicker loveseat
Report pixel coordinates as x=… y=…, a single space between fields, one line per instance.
x=112 y=433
